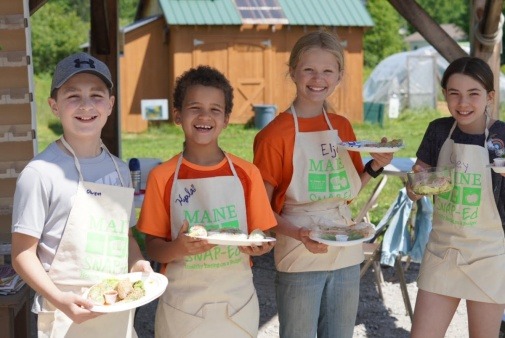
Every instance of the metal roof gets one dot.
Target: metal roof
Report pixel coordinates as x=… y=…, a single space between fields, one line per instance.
x=297 y=12
x=200 y=12
x=326 y=13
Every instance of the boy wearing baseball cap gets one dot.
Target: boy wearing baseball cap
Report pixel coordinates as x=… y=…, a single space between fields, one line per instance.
x=73 y=209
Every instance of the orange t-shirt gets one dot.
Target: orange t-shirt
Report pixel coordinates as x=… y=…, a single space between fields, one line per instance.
x=155 y=214
x=274 y=145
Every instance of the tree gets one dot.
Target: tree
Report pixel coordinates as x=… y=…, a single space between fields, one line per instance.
x=56 y=32
x=384 y=38
x=455 y=11
x=60 y=27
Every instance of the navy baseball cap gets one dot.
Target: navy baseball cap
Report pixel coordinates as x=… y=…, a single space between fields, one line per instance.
x=80 y=63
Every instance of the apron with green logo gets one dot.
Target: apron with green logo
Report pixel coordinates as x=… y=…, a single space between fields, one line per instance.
x=465 y=255
x=324 y=180
x=210 y=294
x=94 y=246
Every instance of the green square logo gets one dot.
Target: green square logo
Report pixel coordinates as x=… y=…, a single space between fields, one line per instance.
x=471 y=196
x=96 y=243
x=117 y=246
x=339 y=182
x=230 y=224
x=317 y=183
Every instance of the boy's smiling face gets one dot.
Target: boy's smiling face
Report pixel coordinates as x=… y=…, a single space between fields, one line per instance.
x=83 y=104
x=202 y=117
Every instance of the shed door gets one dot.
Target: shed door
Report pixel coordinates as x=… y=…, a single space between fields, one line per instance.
x=243 y=63
x=247 y=75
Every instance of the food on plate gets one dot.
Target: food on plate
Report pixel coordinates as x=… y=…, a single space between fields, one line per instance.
x=352 y=232
x=232 y=234
x=257 y=234
x=391 y=144
x=341 y=238
x=126 y=291
x=432 y=181
x=227 y=233
x=197 y=231
x=435 y=187
x=124 y=287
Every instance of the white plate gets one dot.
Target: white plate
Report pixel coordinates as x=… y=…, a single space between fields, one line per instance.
x=154 y=284
x=314 y=236
x=499 y=170
x=237 y=242
x=367 y=146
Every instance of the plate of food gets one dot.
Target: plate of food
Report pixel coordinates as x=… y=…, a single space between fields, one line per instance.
x=126 y=292
x=372 y=146
x=229 y=236
x=343 y=235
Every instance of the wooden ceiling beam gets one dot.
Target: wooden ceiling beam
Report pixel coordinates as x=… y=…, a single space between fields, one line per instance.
x=100 y=27
x=104 y=46
x=429 y=29
x=34 y=5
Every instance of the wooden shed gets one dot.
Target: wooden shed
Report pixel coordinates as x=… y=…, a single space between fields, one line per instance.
x=249 y=43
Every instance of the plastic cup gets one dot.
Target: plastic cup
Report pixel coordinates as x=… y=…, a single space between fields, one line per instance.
x=110 y=297
x=499 y=162
x=341 y=238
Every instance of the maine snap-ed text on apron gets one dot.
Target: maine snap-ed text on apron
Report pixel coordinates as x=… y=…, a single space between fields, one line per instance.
x=324 y=180
x=94 y=246
x=188 y=308
x=467 y=245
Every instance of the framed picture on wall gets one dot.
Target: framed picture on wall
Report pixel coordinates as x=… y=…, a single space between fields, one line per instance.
x=154 y=109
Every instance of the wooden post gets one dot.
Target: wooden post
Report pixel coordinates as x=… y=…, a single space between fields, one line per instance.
x=485 y=22
x=104 y=46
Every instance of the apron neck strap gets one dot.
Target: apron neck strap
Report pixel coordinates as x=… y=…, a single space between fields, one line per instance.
x=293 y=111
x=78 y=165
x=230 y=163
x=486 y=131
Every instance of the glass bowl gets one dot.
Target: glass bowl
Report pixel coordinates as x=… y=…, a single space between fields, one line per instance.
x=432 y=181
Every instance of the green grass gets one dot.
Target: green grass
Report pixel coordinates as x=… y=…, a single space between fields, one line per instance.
x=164 y=141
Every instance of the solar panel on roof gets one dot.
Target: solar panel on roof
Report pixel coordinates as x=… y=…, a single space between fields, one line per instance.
x=261 y=11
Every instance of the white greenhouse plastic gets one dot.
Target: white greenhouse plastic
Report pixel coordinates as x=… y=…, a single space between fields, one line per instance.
x=391 y=76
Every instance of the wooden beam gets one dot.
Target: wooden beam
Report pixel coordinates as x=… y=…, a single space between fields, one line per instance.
x=485 y=22
x=104 y=46
x=99 y=26
x=429 y=29
x=34 y=5
x=491 y=20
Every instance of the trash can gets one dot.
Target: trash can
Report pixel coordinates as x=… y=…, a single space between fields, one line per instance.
x=263 y=114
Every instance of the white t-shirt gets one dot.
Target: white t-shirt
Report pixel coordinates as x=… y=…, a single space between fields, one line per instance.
x=46 y=188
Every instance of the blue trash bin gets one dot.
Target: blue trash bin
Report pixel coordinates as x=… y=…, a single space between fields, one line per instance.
x=263 y=114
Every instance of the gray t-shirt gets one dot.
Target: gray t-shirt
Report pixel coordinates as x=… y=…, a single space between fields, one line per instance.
x=45 y=190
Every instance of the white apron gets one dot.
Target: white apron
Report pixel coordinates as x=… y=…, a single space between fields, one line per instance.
x=465 y=255
x=324 y=179
x=188 y=308
x=94 y=245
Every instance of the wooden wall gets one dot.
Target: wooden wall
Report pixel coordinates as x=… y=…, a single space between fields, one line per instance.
x=144 y=68
x=253 y=59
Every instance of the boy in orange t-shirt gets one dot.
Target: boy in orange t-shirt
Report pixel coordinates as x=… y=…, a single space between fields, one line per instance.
x=211 y=289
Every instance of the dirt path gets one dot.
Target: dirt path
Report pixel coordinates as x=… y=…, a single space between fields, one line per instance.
x=376 y=318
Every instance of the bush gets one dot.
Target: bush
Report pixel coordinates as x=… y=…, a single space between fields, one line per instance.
x=56 y=33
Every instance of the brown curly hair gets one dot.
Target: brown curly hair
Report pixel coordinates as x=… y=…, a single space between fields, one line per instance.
x=204 y=76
